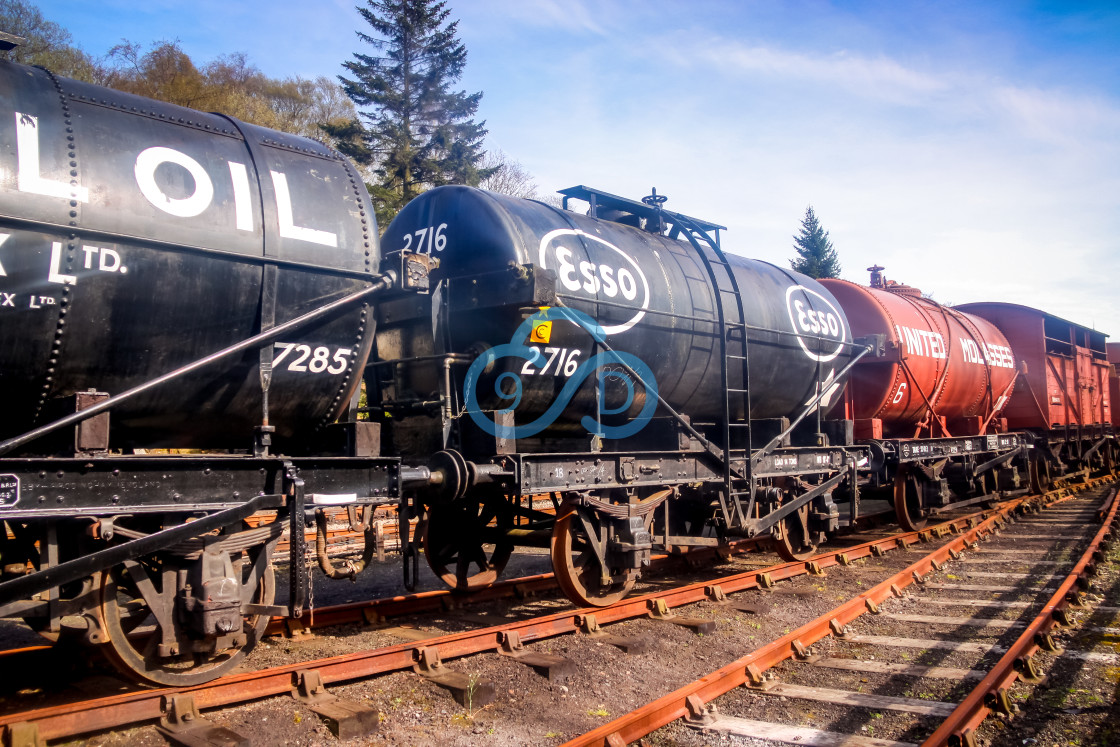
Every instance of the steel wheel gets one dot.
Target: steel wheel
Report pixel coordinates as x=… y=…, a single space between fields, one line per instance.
x=1108 y=464
x=577 y=568
x=466 y=546
x=1040 y=475
x=134 y=632
x=792 y=539
x=908 y=508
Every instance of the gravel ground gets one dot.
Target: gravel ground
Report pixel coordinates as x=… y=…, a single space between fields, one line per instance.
x=1077 y=706
x=608 y=682
x=528 y=709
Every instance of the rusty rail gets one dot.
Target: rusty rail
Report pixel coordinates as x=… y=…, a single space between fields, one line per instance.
x=959 y=728
x=688 y=701
x=148 y=705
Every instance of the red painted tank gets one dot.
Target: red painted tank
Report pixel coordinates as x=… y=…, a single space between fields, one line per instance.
x=945 y=372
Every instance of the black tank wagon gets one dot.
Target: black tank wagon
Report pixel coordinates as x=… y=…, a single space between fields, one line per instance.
x=170 y=278
x=603 y=358
x=136 y=235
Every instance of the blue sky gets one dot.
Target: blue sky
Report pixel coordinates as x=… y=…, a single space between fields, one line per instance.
x=971 y=148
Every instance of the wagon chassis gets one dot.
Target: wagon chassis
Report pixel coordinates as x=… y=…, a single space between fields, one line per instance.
x=150 y=555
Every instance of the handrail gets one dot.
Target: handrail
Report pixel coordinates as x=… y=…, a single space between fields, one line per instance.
x=256 y=341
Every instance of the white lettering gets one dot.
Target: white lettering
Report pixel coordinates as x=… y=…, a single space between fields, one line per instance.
x=288 y=228
x=1000 y=356
x=922 y=342
x=55 y=275
x=187 y=207
x=627 y=284
x=29 y=179
x=609 y=286
x=591 y=283
x=108 y=260
x=566 y=361
x=567 y=270
x=814 y=318
x=114 y=261
x=3 y=238
x=242 y=207
x=601 y=273
x=997 y=356
x=9 y=299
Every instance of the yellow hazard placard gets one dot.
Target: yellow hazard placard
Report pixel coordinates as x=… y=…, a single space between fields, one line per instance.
x=542 y=332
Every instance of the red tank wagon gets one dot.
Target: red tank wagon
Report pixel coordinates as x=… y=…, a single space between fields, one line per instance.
x=1064 y=395
x=945 y=373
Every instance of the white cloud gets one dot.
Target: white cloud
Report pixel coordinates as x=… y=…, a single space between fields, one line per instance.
x=574 y=16
x=878 y=77
x=1056 y=116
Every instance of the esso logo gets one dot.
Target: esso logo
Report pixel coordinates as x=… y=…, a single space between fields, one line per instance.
x=615 y=276
x=815 y=317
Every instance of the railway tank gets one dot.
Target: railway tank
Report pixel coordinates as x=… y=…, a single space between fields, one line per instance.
x=946 y=371
x=137 y=236
x=504 y=259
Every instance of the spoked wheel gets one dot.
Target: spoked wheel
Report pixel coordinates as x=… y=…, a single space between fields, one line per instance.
x=1108 y=463
x=986 y=485
x=466 y=546
x=135 y=629
x=577 y=567
x=1041 y=479
x=792 y=541
x=908 y=501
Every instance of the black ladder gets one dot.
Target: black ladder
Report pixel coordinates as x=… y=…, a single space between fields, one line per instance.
x=732 y=336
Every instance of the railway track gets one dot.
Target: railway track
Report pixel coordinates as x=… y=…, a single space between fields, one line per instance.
x=430 y=653
x=890 y=652
x=430 y=656
x=380 y=610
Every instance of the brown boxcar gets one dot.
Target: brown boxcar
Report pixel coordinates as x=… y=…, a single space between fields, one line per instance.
x=1113 y=351
x=1066 y=384
x=1064 y=395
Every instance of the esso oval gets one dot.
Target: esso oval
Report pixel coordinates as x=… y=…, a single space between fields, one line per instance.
x=818 y=323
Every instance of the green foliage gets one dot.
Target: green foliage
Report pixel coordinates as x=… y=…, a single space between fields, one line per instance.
x=417 y=132
x=229 y=84
x=816 y=257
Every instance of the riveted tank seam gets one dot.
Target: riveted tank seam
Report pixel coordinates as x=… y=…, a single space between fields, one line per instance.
x=74 y=214
x=978 y=338
x=939 y=386
x=348 y=385
x=899 y=371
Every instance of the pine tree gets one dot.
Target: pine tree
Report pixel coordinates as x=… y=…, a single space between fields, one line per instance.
x=418 y=132
x=817 y=258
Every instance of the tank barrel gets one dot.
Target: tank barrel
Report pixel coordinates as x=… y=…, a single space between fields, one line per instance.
x=256 y=341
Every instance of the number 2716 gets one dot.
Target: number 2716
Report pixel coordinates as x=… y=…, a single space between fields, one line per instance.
x=427 y=239
x=566 y=361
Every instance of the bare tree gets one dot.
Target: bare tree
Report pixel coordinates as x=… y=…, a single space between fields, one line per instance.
x=509 y=176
